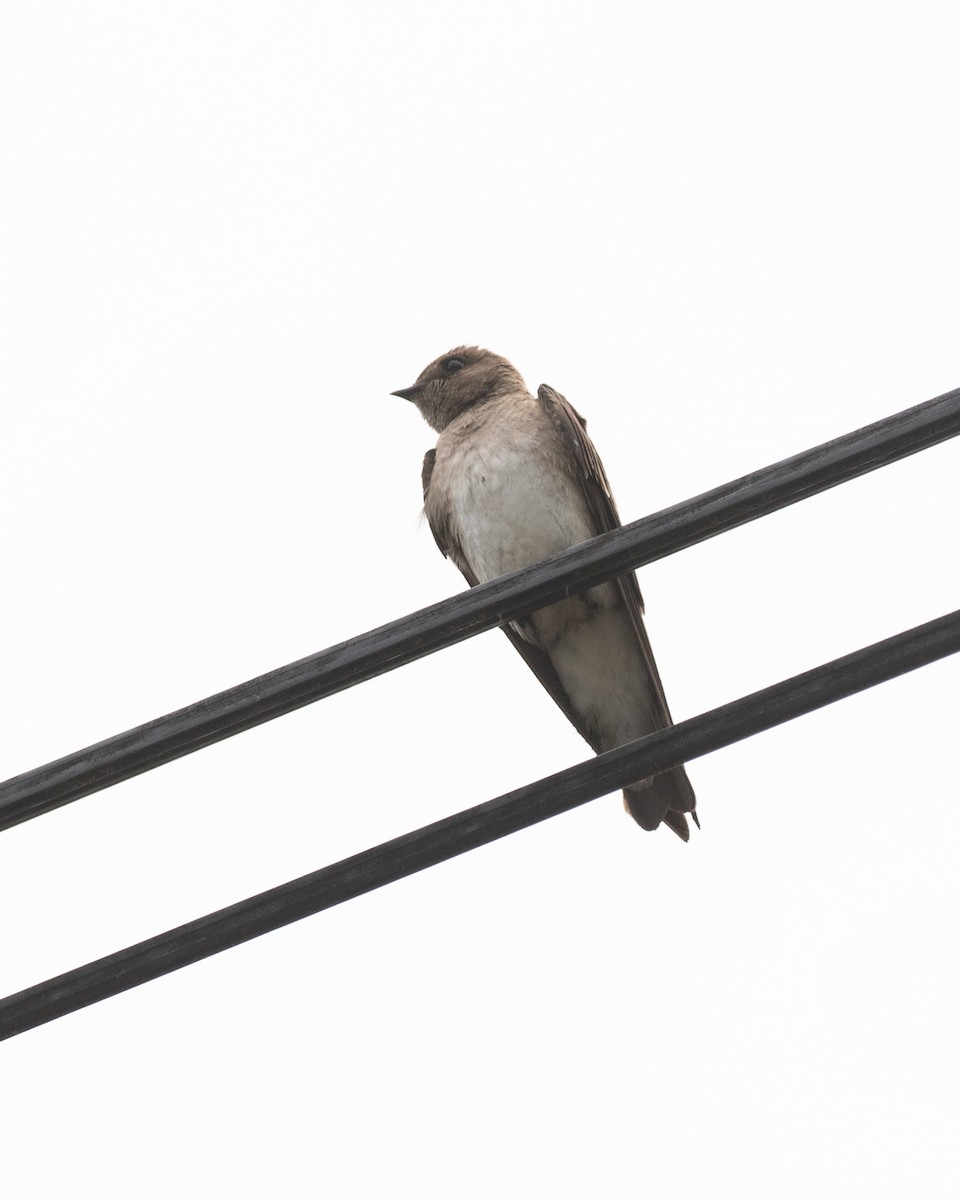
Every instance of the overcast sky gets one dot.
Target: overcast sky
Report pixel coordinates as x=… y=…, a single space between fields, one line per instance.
x=228 y=232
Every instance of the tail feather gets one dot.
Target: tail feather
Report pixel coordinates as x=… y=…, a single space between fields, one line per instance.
x=665 y=799
x=678 y=823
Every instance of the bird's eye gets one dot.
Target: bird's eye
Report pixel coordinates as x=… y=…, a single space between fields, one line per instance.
x=453 y=364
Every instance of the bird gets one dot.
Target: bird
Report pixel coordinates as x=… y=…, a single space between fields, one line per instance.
x=512 y=479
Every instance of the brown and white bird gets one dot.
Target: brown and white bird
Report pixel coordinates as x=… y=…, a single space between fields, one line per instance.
x=513 y=479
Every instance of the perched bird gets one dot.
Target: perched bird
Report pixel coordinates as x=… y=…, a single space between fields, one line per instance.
x=513 y=479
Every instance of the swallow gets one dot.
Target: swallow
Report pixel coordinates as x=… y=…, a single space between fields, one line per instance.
x=513 y=479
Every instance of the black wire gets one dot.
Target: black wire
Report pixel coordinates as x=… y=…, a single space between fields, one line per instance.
x=484 y=607
x=475 y=826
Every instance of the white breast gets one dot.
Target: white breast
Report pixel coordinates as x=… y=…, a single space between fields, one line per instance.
x=508 y=504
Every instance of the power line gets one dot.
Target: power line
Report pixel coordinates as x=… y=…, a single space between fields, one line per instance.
x=476 y=826
x=281 y=691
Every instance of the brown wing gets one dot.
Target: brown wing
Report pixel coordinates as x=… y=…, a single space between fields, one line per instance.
x=442 y=534
x=572 y=430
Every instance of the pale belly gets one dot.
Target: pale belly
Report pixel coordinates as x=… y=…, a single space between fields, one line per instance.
x=508 y=506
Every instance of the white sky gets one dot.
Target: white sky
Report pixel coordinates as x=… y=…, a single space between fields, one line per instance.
x=726 y=233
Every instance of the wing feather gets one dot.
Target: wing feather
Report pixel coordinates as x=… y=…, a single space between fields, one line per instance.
x=572 y=430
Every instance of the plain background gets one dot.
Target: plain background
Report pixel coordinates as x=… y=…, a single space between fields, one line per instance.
x=726 y=233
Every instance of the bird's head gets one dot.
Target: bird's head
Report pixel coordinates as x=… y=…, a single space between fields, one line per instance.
x=459 y=380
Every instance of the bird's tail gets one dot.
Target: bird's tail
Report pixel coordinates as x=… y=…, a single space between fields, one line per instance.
x=665 y=798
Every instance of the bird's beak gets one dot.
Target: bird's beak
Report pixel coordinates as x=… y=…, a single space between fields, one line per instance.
x=409 y=393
